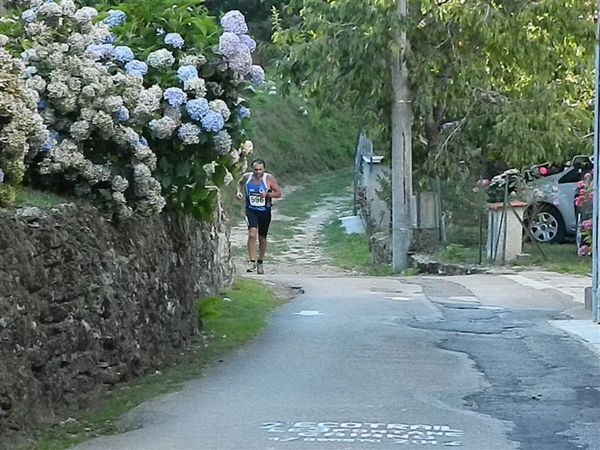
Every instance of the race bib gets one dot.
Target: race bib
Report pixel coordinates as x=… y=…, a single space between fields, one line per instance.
x=257 y=200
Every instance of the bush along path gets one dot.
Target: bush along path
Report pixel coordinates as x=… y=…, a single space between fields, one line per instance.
x=295 y=235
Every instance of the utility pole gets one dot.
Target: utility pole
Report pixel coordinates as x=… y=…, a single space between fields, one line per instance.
x=596 y=184
x=401 y=122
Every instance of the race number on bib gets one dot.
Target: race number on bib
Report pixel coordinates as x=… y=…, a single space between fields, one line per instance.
x=257 y=200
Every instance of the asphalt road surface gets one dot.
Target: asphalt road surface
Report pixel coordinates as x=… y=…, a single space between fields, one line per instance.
x=471 y=363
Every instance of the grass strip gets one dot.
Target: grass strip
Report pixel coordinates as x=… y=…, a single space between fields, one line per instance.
x=229 y=320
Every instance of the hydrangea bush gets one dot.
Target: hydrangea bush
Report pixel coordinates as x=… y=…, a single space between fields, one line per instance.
x=22 y=131
x=138 y=121
x=93 y=113
x=204 y=72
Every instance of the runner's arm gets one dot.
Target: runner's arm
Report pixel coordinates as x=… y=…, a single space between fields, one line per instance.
x=274 y=189
x=241 y=186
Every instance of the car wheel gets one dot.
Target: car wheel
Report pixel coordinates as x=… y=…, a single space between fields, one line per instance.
x=546 y=224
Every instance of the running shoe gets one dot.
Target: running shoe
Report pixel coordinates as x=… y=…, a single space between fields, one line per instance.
x=259 y=268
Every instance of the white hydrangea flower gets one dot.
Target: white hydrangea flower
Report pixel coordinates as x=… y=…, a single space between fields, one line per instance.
x=67 y=104
x=247 y=147
x=196 y=86
x=163 y=128
x=160 y=59
x=148 y=101
x=144 y=154
x=88 y=92
x=80 y=131
x=68 y=7
x=173 y=113
x=189 y=133
x=234 y=156
x=57 y=89
x=228 y=178
x=85 y=15
x=210 y=168
x=104 y=122
x=113 y=103
x=119 y=184
x=35 y=29
x=74 y=85
x=192 y=60
x=50 y=9
x=220 y=107
x=77 y=43
x=36 y=83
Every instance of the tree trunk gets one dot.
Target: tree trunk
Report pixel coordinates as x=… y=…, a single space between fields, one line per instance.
x=401 y=149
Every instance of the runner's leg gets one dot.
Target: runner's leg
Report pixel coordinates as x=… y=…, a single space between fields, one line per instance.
x=263 y=228
x=252 y=221
x=264 y=221
x=252 y=233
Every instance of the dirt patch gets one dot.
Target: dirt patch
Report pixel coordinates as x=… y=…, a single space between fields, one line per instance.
x=303 y=254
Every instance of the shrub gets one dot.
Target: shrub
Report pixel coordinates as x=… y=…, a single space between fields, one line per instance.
x=114 y=111
x=198 y=132
x=21 y=128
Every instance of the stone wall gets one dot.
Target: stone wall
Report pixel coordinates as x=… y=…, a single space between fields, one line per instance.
x=86 y=303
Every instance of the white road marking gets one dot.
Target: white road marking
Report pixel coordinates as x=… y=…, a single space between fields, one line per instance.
x=308 y=313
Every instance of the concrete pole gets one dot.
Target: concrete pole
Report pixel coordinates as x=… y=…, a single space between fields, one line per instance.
x=401 y=122
x=596 y=184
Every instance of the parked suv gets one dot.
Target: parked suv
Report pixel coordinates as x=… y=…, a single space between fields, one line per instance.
x=551 y=214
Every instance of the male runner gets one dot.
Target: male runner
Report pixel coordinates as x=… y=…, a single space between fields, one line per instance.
x=259 y=187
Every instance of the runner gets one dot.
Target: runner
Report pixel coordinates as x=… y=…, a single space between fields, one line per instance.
x=259 y=188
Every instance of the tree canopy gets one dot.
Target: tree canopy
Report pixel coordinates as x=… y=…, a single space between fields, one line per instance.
x=509 y=80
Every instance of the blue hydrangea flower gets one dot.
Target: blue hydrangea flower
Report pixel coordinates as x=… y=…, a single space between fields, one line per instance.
x=100 y=51
x=30 y=71
x=243 y=112
x=122 y=54
x=184 y=73
x=174 y=40
x=189 y=133
x=88 y=11
x=212 y=121
x=28 y=15
x=136 y=67
x=110 y=38
x=234 y=22
x=41 y=104
x=123 y=114
x=197 y=108
x=248 y=42
x=143 y=141
x=114 y=18
x=229 y=44
x=256 y=75
x=50 y=142
x=175 y=96
x=1 y=176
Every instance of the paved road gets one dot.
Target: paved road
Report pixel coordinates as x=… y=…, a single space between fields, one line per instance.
x=387 y=363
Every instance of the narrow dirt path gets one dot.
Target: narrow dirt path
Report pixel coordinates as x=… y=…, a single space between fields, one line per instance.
x=303 y=254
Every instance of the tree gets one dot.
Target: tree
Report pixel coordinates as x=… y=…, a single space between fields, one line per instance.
x=509 y=80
